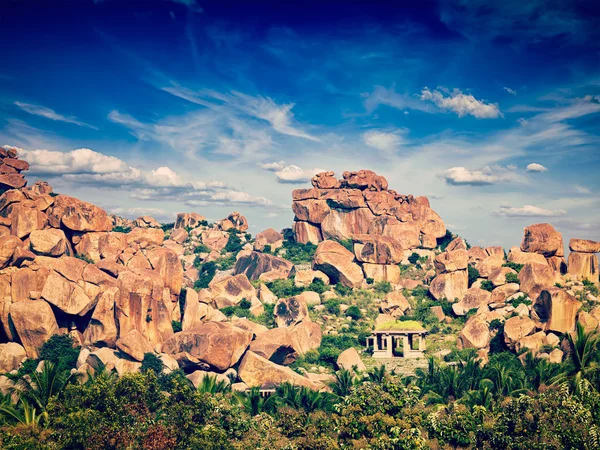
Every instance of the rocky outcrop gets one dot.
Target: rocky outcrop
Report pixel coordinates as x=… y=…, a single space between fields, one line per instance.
x=234 y=221
x=256 y=371
x=10 y=169
x=584 y=246
x=556 y=310
x=230 y=291
x=375 y=249
x=268 y=237
x=34 y=323
x=189 y=220
x=473 y=299
x=338 y=264
x=475 y=334
x=584 y=266
x=263 y=266
x=361 y=203
x=516 y=328
x=542 y=238
x=291 y=311
x=284 y=345
x=219 y=345
x=533 y=278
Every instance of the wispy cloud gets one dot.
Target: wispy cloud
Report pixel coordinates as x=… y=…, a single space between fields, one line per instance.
x=384 y=141
x=48 y=113
x=509 y=90
x=582 y=189
x=528 y=211
x=487 y=175
x=461 y=104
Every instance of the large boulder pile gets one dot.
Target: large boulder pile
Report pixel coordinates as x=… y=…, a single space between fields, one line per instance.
x=361 y=203
x=10 y=170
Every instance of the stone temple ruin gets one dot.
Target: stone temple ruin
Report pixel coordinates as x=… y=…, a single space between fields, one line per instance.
x=405 y=337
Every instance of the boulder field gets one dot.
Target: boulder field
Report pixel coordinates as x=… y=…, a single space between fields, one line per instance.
x=124 y=288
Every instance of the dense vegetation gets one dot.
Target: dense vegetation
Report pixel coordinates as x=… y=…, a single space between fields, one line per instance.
x=505 y=404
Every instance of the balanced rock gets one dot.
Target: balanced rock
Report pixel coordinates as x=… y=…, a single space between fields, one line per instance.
x=234 y=221
x=338 y=263
x=542 y=238
x=218 y=344
x=325 y=180
x=189 y=220
x=584 y=246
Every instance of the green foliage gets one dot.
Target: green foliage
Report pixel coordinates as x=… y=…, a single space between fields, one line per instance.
x=201 y=248
x=383 y=287
x=176 y=326
x=369 y=280
x=298 y=253
x=348 y=244
x=353 y=312
x=342 y=290
x=206 y=272
x=234 y=242
x=413 y=258
x=332 y=306
x=284 y=288
x=245 y=304
x=333 y=345
x=445 y=240
x=85 y=258
x=169 y=226
x=521 y=299
x=514 y=266
x=267 y=249
x=59 y=350
x=487 y=285
x=317 y=285
x=512 y=278
x=267 y=318
x=473 y=274
x=121 y=229
x=590 y=287
x=152 y=362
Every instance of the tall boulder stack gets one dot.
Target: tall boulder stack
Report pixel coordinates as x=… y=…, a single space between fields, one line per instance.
x=583 y=263
x=544 y=240
x=361 y=203
x=10 y=170
x=452 y=280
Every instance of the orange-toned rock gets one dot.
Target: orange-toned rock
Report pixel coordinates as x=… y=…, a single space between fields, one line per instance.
x=338 y=264
x=584 y=266
x=349 y=359
x=406 y=233
x=475 y=334
x=451 y=261
x=26 y=219
x=304 y=277
x=283 y=345
x=179 y=235
x=516 y=328
x=26 y=280
x=167 y=264
x=11 y=356
x=135 y=345
x=394 y=304
x=8 y=245
x=146 y=222
x=584 y=246
x=556 y=309
x=257 y=371
x=218 y=344
x=34 y=323
x=531 y=343
x=77 y=215
x=473 y=299
x=325 y=180
x=381 y=202
x=50 y=242
x=215 y=239
x=145 y=237
x=259 y=265
x=498 y=276
x=517 y=256
x=542 y=238
x=313 y=211
x=231 y=290
x=533 y=278
x=191 y=220
x=365 y=180
x=377 y=249
x=305 y=232
x=269 y=237
x=233 y=221
x=291 y=311
x=111 y=245
x=143 y=304
x=382 y=272
x=457 y=244
x=341 y=224
x=102 y=329
x=558 y=264
x=66 y=295
x=451 y=286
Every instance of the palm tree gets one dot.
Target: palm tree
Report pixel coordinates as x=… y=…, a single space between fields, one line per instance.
x=254 y=403
x=377 y=374
x=582 y=363
x=38 y=388
x=343 y=383
x=211 y=385
x=21 y=412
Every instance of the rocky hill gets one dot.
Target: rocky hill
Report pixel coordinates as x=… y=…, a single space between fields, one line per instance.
x=286 y=306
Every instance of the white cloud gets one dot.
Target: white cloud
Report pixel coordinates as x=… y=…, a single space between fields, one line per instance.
x=135 y=212
x=528 y=211
x=582 y=189
x=487 y=175
x=461 y=104
x=289 y=173
x=388 y=142
x=510 y=91
x=535 y=167
x=48 y=113
x=389 y=97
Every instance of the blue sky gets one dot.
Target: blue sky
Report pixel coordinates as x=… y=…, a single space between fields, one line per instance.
x=490 y=108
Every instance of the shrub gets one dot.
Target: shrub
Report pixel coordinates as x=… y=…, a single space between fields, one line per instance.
x=369 y=280
x=521 y=299
x=121 y=229
x=85 y=258
x=413 y=258
x=245 y=304
x=267 y=249
x=317 y=285
x=342 y=290
x=234 y=242
x=267 y=318
x=445 y=240
x=354 y=313
x=512 y=278
x=201 y=248
x=332 y=306
x=590 y=287
x=348 y=244
x=514 y=266
x=383 y=287
x=206 y=273
x=284 y=288
x=152 y=362
x=298 y=253
x=176 y=326
x=169 y=226
x=59 y=350
x=487 y=285
x=473 y=274
x=226 y=262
